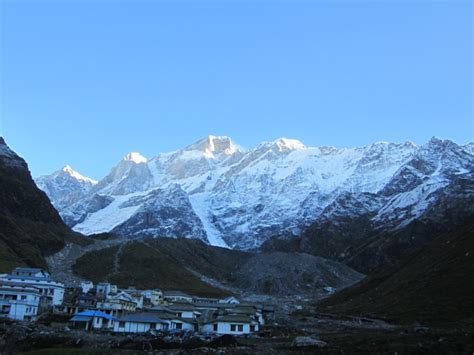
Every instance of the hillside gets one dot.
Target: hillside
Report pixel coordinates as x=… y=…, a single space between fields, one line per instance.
x=179 y=263
x=432 y=286
x=30 y=227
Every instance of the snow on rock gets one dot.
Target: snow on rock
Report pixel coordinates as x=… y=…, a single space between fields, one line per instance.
x=222 y=194
x=65 y=187
x=71 y=172
x=135 y=157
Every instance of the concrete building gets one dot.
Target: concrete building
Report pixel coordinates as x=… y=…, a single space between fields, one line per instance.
x=19 y=301
x=52 y=290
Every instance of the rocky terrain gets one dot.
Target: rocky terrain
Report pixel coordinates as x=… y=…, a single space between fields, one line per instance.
x=279 y=273
x=197 y=268
x=432 y=286
x=30 y=227
x=367 y=207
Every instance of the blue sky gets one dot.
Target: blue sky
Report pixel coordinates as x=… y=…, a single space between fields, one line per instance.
x=85 y=82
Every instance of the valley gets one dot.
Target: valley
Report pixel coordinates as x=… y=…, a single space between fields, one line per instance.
x=398 y=283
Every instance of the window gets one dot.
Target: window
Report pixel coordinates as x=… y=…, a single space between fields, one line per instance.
x=121 y=324
x=215 y=327
x=232 y=327
x=252 y=328
x=240 y=328
x=179 y=314
x=153 y=325
x=23 y=297
x=179 y=325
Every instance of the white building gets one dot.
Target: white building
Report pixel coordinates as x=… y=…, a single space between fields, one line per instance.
x=230 y=300
x=30 y=271
x=19 y=301
x=184 y=310
x=52 y=290
x=86 y=286
x=153 y=297
x=230 y=324
x=92 y=320
x=104 y=289
x=117 y=304
x=176 y=296
x=139 y=323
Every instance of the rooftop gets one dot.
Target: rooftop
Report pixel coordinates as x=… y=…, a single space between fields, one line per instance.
x=28 y=269
x=141 y=318
x=99 y=314
x=175 y=293
x=32 y=278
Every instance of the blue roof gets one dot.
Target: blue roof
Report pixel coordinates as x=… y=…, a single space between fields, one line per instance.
x=94 y=314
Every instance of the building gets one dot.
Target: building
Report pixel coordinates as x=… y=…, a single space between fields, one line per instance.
x=176 y=296
x=92 y=320
x=53 y=291
x=103 y=289
x=86 y=286
x=197 y=299
x=152 y=297
x=86 y=301
x=184 y=324
x=19 y=301
x=136 y=297
x=230 y=300
x=117 y=304
x=184 y=310
x=139 y=323
x=230 y=324
x=30 y=271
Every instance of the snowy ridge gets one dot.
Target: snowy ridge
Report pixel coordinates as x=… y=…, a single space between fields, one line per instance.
x=218 y=192
x=67 y=169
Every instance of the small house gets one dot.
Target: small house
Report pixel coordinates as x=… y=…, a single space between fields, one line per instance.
x=184 y=310
x=139 y=323
x=230 y=324
x=118 y=304
x=176 y=296
x=89 y=320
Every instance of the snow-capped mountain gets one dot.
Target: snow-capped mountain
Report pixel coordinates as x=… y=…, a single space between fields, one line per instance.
x=65 y=186
x=218 y=192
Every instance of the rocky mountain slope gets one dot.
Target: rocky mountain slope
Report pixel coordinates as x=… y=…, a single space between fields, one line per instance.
x=219 y=193
x=65 y=187
x=181 y=263
x=30 y=227
x=432 y=286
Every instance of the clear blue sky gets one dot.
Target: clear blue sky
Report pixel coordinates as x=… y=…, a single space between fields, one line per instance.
x=85 y=82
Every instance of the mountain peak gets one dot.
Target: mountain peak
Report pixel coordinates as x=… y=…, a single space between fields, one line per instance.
x=288 y=144
x=9 y=157
x=135 y=157
x=214 y=145
x=74 y=174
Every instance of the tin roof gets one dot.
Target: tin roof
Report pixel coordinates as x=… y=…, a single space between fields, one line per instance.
x=141 y=318
x=90 y=313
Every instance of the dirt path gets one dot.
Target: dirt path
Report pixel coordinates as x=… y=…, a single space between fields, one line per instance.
x=60 y=264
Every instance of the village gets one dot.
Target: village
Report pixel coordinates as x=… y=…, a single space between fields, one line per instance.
x=28 y=293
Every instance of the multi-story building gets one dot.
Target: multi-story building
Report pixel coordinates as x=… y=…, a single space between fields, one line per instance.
x=19 y=301
x=52 y=290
